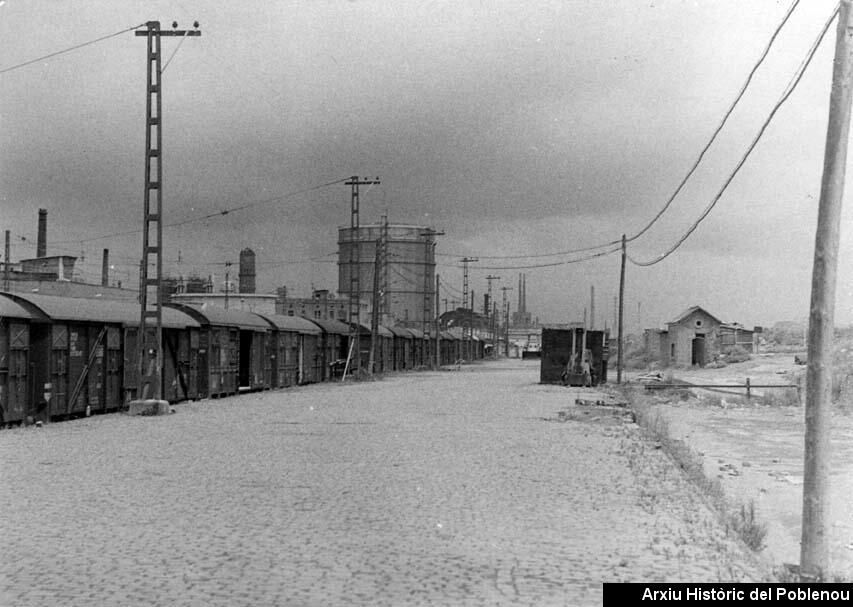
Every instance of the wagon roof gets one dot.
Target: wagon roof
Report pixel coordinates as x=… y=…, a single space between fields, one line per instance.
x=211 y=315
x=383 y=331
x=400 y=332
x=98 y=310
x=295 y=324
x=11 y=308
x=331 y=325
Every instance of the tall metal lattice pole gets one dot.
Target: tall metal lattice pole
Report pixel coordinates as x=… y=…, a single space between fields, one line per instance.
x=355 y=270
x=429 y=294
x=466 y=324
x=150 y=335
x=505 y=311
x=488 y=309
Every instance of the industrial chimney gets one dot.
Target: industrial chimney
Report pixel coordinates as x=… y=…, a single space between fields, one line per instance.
x=41 y=246
x=105 y=269
x=247 y=271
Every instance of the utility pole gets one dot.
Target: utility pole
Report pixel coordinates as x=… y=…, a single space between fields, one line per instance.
x=429 y=261
x=621 y=309
x=495 y=330
x=489 y=280
x=505 y=309
x=150 y=334
x=466 y=324
x=6 y=261
x=355 y=270
x=592 y=307
x=814 y=550
x=437 y=327
x=374 y=312
x=227 y=285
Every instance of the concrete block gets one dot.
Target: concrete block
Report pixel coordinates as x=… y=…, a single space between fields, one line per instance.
x=148 y=406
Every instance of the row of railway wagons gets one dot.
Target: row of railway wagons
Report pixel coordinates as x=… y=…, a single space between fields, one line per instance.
x=62 y=357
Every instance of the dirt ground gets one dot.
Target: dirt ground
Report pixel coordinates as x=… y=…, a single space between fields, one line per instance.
x=757 y=453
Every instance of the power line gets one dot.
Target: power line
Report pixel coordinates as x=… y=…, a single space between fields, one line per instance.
x=720 y=126
x=787 y=93
x=69 y=49
x=542 y=265
x=537 y=255
x=174 y=52
x=210 y=215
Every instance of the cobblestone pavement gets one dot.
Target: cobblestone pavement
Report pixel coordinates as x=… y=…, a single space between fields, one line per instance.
x=448 y=488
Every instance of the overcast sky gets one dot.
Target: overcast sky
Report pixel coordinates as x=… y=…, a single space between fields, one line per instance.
x=518 y=128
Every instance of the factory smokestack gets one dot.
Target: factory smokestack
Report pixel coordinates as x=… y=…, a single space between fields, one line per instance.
x=105 y=269
x=41 y=246
x=247 y=271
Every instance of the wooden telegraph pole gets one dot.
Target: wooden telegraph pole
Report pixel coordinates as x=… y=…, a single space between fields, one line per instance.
x=621 y=311
x=814 y=550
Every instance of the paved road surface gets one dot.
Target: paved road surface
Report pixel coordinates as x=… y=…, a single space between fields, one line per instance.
x=452 y=488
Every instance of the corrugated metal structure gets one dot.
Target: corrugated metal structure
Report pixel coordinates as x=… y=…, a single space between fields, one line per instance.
x=409 y=271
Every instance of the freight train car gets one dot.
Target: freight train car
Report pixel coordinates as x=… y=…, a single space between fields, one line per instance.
x=15 y=387
x=403 y=359
x=295 y=350
x=232 y=350
x=563 y=354
x=334 y=346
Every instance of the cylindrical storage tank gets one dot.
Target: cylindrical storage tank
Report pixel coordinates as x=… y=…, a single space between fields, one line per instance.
x=409 y=270
x=247 y=271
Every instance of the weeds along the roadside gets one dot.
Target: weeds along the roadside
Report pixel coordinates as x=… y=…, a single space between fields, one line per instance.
x=740 y=520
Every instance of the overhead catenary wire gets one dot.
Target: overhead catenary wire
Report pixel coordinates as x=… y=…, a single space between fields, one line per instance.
x=542 y=265
x=785 y=95
x=215 y=214
x=69 y=49
x=720 y=126
x=538 y=255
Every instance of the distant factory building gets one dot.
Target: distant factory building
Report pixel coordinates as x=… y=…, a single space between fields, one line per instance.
x=55 y=274
x=322 y=305
x=407 y=264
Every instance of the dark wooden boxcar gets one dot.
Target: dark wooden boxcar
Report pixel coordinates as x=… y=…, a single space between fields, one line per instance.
x=15 y=385
x=382 y=356
x=448 y=348
x=557 y=348
x=75 y=355
x=296 y=350
x=232 y=349
x=402 y=349
x=181 y=357
x=334 y=346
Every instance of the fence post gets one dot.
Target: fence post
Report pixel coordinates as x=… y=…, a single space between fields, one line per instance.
x=748 y=391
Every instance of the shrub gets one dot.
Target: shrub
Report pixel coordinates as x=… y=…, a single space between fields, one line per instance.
x=736 y=354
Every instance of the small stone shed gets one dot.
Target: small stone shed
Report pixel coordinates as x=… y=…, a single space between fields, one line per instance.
x=695 y=337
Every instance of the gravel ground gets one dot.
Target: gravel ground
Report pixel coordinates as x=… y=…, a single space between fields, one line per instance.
x=444 y=488
x=757 y=453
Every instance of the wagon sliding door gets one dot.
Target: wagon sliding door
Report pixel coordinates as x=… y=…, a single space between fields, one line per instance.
x=58 y=370
x=14 y=347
